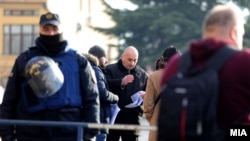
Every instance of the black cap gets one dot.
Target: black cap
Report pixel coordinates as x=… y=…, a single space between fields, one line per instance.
x=97 y=51
x=49 y=18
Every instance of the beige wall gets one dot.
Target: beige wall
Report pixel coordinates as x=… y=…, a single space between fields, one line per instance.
x=6 y=61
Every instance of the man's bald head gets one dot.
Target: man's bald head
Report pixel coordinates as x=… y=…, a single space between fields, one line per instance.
x=130 y=57
x=130 y=51
x=225 y=22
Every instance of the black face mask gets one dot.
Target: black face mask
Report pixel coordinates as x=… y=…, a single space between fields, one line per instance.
x=52 y=43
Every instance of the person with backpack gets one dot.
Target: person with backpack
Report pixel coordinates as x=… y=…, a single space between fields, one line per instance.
x=207 y=89
x=50 y=82
x=151 y=97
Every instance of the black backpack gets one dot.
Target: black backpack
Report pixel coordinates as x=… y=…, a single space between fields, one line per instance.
x=189 y=100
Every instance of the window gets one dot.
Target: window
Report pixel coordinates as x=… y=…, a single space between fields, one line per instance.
x=17 y=38
x=8 y=12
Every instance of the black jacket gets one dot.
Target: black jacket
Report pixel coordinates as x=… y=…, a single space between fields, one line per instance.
x=106 y=97
x=114 y=74
x=13 y=107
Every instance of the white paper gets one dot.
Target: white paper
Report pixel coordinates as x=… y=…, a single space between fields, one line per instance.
x=114 y=111
x=137 y=100
x=1 y=94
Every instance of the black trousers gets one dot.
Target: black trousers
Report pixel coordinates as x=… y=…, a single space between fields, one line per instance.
x=126 y=116
x=114 y=135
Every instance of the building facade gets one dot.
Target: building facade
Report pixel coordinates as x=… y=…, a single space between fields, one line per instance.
x=19 y=27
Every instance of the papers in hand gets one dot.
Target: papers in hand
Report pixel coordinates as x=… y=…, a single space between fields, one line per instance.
x=136 y=99
x=114 y=111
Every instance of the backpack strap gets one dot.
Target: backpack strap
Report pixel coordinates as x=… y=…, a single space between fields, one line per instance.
x=185 y=61
x=220 y=57
x=214 y=62
x=157 y=99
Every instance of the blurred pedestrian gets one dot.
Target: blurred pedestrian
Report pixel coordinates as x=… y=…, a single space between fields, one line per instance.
x=101 y=56
x=106 y=97
x=223 y=27
x=152 y=95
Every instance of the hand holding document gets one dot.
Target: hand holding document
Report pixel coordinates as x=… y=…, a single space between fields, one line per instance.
x=136 y=99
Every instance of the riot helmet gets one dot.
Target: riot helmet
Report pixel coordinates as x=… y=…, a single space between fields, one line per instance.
x=44 y=76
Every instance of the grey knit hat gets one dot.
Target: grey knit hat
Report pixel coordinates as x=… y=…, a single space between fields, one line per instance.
x=97 y=51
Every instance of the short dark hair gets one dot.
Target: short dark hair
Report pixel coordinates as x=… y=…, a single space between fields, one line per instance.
x=169 y=52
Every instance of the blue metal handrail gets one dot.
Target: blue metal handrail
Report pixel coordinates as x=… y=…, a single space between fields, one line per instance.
x=78 y=125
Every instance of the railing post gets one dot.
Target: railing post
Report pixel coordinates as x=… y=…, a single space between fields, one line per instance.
x=79 y=133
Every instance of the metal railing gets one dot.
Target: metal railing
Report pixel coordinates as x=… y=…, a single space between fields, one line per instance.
x=23 y=1
x=78 y=125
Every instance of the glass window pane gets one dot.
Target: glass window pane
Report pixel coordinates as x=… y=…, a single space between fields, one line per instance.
x=36 y=29
x=27 y=41
x=15 y=29
x=27 y=29
x=6 y=44
x=36 y=32
x=27 y=12
x=36 y=12
x=15 y=44
x=7 y=12
x=17 y=38
x=16 y=12
x=6 y=29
